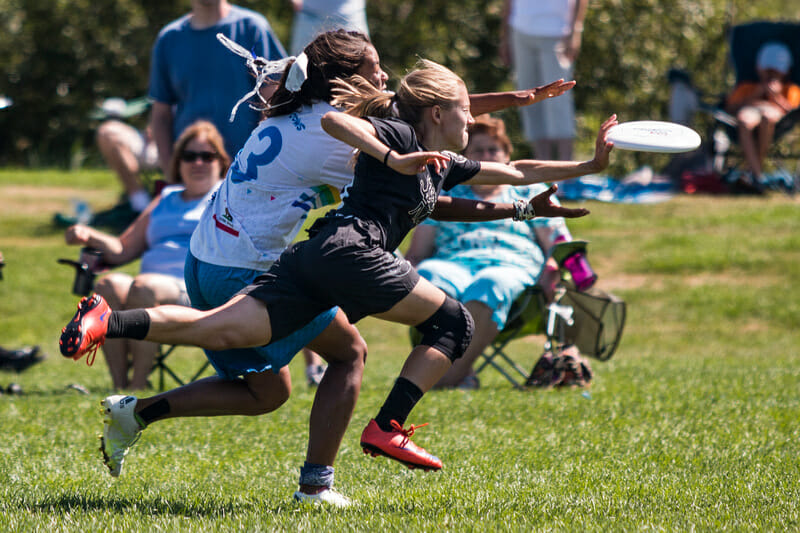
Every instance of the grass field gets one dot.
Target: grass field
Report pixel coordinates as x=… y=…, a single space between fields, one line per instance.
x=693 y=425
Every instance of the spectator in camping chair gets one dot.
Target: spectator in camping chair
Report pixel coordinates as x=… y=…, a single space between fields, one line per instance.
x=761 y=110
x=760 y=104
x=160 y=237
x=488 y=265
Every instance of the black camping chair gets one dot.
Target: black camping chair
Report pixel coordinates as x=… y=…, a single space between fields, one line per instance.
x=745 y=41
x=86 y=269
x=591 y=319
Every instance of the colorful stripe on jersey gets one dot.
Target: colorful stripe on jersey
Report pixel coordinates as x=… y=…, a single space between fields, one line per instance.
x=323 y=195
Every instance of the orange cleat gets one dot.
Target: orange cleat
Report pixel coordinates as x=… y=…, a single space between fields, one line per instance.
x=397 y=445
x=86 y=332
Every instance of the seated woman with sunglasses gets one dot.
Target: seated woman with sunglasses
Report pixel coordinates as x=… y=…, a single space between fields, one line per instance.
x=160 y=237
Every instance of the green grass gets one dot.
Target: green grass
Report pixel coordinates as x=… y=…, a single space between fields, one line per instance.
x=693 y=425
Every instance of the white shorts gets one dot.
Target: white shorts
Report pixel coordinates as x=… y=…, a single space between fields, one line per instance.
x=536 y=63
x=141 y=146
x=752 y=115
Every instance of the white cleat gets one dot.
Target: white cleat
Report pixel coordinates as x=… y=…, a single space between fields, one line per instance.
x=121 y=430
x=327 y=496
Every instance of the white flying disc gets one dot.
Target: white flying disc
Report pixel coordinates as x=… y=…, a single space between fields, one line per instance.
x=654 y=136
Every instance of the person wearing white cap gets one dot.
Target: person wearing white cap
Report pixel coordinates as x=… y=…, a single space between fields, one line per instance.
x=759 y=105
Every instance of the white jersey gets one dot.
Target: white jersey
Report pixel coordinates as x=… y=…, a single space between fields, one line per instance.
x=287 y=167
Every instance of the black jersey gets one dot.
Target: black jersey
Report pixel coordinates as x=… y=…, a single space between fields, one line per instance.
x=398 y=202
x=348 y=261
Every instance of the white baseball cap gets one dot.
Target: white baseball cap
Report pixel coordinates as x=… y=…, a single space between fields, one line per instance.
x=776 y=56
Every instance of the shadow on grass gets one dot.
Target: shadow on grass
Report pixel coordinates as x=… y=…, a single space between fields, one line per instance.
x=145 y=506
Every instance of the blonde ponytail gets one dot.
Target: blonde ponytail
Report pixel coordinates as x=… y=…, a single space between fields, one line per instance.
x=358 y=97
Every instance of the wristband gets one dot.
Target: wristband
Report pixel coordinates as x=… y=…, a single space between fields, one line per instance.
x=523 y=210
x=386 y=157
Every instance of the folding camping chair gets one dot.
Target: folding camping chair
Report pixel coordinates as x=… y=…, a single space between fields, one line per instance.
x=592 y=320
x=85 y=271
x=161 y=368
x=745 y=41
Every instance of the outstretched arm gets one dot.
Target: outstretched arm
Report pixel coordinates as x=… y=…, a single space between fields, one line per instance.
x=491 y=102
x=528 y=171
x=361 y=134
x=463 y=210
x=451 y=209
x=116 y=250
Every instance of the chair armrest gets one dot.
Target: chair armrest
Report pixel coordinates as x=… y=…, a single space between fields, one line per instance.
x=719 y=114
x=563 y=250
x=788 y=122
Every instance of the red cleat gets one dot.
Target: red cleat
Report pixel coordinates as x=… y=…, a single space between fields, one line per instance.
x=397 y=445
x=86 y=332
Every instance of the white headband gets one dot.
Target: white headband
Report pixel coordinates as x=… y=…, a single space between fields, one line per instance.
x=298 y=73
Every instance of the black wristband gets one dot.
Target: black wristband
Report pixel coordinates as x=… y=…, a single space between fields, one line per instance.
x=386 y=157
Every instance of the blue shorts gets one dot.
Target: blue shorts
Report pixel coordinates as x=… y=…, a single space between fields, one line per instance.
x=210 y=286
x=495 y=286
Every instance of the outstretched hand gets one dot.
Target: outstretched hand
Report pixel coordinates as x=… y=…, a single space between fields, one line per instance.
x=538 y=94
x=544 y=206
x=415 y=162
x=602 y=147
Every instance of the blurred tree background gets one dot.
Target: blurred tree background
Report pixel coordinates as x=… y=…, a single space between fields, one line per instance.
x=62 y=58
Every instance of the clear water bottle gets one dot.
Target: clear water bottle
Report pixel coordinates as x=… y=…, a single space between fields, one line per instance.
x=83 y=213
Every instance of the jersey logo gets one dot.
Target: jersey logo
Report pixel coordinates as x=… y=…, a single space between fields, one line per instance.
x=456 y=158
x=428 y=202
x=298 y=124
x=226 y=224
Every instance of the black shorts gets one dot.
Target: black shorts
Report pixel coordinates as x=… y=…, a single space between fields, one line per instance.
x=343 y=264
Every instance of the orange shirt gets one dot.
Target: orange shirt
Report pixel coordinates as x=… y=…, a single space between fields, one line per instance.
x=745 y=90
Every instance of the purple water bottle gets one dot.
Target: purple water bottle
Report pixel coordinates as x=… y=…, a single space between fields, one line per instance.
x=579 y=268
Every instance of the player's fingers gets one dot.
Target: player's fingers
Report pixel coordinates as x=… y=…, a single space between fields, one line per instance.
x=575 y=213
x=610 y=121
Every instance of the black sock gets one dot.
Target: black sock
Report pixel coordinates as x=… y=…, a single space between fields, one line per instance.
x=128 y=324
x=398 y=404
x=153 y=411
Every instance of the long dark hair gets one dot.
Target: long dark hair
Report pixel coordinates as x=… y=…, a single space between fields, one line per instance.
x=331 y=55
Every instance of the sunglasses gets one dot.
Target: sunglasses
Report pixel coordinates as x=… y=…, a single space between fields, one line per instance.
x=189 y=156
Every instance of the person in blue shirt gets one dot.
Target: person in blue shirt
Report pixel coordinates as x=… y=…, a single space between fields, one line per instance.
x=193 y=77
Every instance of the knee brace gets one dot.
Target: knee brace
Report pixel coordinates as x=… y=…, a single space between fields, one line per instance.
x=449 y=329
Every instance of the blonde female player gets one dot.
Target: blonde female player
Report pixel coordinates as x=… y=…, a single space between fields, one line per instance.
x=248 y=319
